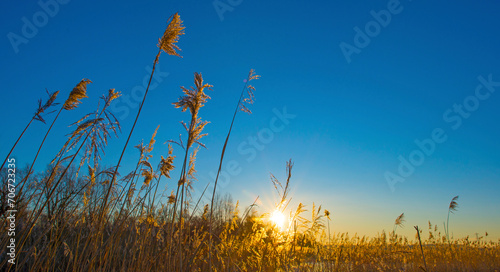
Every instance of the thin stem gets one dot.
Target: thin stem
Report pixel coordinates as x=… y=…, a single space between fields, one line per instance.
x=39 y=148
x=198 y=202
x=447 y=226
x=154 y=195
x=218 y=172
x=53 y=190
x=19 y=138
x=128 y=138
x=421 y=248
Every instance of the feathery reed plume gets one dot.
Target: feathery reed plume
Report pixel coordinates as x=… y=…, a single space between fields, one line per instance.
x=167 y=164
x=148 y=175
x=42 y=108
x=194 y=98
x=152 y=141
x=327 y=215
x=168 y=44
x=241 y=101
x=451 y=209
x=171 y=198
x=171 y=36
x=249 y=98
x=36 y=116
x=79 y=92
x=205 y=211
x=399 y=222
x=147 y=172
x=453 y=204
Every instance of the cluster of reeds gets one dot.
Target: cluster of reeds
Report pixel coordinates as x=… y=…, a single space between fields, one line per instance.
x=80 y=215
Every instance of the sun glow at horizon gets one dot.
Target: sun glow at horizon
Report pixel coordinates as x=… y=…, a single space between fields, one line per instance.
x=278 y=218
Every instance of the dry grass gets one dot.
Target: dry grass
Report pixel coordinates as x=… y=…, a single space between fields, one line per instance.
x=85 y=217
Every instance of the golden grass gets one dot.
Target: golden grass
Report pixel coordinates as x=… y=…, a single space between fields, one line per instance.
x=77 y=94
x=171 y=36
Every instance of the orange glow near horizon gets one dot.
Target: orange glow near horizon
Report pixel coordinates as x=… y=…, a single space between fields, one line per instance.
x=278 y=218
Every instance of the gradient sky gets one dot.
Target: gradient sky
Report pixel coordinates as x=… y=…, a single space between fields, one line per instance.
x=352 y=119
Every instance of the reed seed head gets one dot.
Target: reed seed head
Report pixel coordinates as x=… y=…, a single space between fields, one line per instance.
x=79 y=92
x=171 y=36
x=171 y=198
x=453 y=205
x=43 y=107
x=327 y=214
x=249 y=97
x=400 y=220
x=167 y=164
x=194 y=98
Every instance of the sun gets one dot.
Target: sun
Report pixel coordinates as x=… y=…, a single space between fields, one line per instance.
x=278 y=218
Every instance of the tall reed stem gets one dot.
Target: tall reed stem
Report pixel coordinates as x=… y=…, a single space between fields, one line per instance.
x=218 y=173
x=421 y=248
x=113 y=178
x=14 y=146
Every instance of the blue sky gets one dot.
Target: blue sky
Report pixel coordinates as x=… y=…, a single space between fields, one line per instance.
x=351 y=122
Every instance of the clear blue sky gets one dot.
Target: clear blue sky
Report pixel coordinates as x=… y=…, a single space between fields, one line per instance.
x=359 y=101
